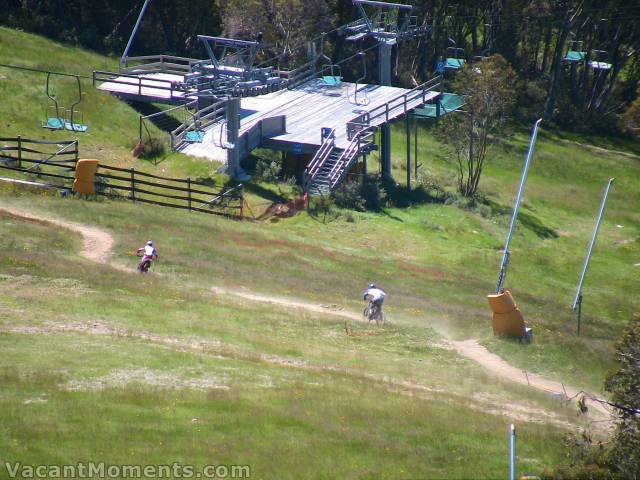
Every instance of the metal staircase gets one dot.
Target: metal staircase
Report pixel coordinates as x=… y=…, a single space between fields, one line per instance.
x=320 y=183
x=330 y=166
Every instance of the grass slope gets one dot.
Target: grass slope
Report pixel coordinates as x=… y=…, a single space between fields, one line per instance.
x=201 y=379
x=384 y=403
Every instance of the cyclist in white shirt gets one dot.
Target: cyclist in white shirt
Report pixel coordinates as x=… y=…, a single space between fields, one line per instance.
x=149 y=253
x=375 y=295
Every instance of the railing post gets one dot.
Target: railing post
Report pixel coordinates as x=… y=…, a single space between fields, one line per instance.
x=19 y=152
x=77 y=149
x=189 y=191
x=133 y=185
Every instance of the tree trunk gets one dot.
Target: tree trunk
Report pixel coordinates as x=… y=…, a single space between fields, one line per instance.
x=556 y=71
x=547 y=47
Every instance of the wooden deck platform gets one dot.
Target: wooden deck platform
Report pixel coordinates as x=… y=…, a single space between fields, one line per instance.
x=310 y=107
x=150 y=87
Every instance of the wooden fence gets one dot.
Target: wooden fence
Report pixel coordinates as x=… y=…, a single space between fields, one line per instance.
x=18 y=156
x=18 y=149
x=181 y=193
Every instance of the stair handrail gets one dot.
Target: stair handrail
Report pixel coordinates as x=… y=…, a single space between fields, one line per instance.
x=352 y=152
x=321 y=156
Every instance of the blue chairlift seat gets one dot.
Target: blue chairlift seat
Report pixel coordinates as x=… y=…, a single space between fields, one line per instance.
x=449 y=102
x=54 y=123
x=194 y=136
x=575 y=56
x=454 y=63
x=331 y=80
x=75 y=127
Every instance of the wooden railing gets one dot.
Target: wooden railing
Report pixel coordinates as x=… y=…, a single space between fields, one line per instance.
x=199 y=120
x=16 y=150
x=141 y=82
x=400 y=104
x=180 y=193
x=301 y=74
x=159 y=64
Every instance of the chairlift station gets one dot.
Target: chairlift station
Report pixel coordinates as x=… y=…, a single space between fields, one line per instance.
x=236 y=106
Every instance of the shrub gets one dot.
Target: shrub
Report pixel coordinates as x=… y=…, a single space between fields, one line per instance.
x=152 y=147
x=349 y=195
x=268 y=170
x=375 y=195
x=322 y=206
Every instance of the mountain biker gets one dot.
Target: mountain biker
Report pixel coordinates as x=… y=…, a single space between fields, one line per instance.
x=375 y=295
x=149 y=253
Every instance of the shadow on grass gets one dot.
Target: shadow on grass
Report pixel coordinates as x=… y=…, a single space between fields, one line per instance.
x=528 y=220
x=166 y=123
x=264 y=192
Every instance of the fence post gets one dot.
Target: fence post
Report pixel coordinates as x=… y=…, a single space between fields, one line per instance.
x=241 y=202
x=19 y=152
x=133 y=185
x=77 y=149
x=189 y=191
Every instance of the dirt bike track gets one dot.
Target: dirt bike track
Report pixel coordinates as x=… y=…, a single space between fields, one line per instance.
x=97 y=245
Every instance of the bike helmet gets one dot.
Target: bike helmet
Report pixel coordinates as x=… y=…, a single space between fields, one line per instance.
x=150 y=243
x=372 y=285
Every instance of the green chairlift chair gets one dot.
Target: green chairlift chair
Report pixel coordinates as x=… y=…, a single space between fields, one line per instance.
x=454 y=58
x=331 y=76
x=575 y=53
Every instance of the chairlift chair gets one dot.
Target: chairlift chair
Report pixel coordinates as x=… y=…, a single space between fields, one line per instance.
x=64 y=119
x=365 y=98
x=598 y=62
x=488 y=46
x=453 y=60
x=334 y=79
x=575 y=53
x=55 y=122
x=69 y=124
x=196 y=134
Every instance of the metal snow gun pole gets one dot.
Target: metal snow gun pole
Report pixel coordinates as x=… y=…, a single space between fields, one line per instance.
x=507 y=319
x=577 y=300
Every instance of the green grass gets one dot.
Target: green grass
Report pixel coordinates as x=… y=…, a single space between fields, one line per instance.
x=350 y=408
x=354 y=412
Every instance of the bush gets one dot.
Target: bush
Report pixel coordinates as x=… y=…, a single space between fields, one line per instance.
x=349 y=195
x=375 y=195
x=152 y=147
x=321 y=207
x=268 y=170
x=428 y=188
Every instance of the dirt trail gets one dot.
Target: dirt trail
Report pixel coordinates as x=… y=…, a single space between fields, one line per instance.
x=97 y=245
x=470 y=349
x=289 y=303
